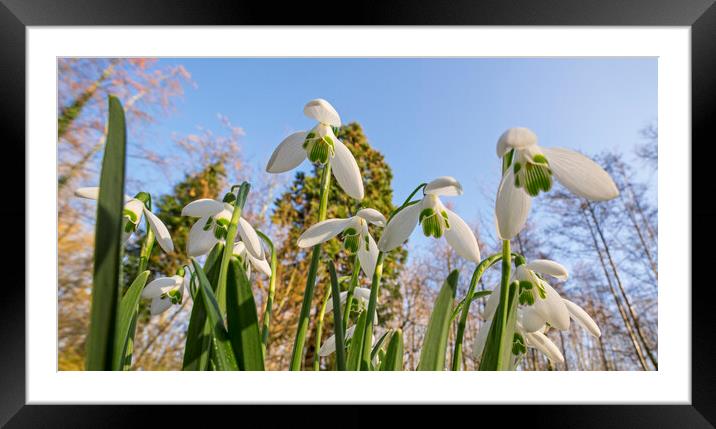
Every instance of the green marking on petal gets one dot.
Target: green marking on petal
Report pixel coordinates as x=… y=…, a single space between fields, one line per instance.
x=130 y=227
x=430 y=222
x=351 y=240
x=207 y=225
x=131 y=215
x=539 y=159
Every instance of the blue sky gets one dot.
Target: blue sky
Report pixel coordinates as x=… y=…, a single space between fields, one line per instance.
x=429 y=117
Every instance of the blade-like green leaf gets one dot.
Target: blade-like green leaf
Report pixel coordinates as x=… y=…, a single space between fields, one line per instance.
x=378 y=345
x=498 y=345
x=356 y=347
x=128 y=308
x=393 y=360
x=242 y=319
x=337 y=320
x=198 y=337
x=432 y=354
x=108 y=244
x=221 y=347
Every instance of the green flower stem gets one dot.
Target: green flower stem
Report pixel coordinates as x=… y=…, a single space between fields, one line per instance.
x=319 y=331
x=266 y=320
x=372 y=304
x=299 y=342
x=144 y=254
x=351 y=290
x=229 y=247
x=504 y=298
x=407 y=201
x=476 y=275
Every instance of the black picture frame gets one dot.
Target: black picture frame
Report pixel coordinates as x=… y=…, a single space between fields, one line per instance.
x=699 y=15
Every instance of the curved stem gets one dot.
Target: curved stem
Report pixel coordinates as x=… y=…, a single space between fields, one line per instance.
x=476 y=275
x=504 y=296
x=297 y=354
x=229 y=247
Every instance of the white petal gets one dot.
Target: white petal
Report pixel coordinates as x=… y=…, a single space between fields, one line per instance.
x=288 y=154
x=342 y=297
x=511 y=208
x=373 y=216
x=260 y=264
x=368 y=257
x=250 y=239
x=461 y=237
x=479 y=345
x=160 y=286
x=330 y=345
x=540 y=342
x=445 y=185
x=202 y=207
x=550 y=268
x=322 y=111
x=516 y=138
x=362 y=293
x=530 y=319
x=239 y=249
x=552 y=308
x=160 y=305
x=345 y=169
x=160 y=231
x=582 y=318
x=200 y=242
x=399 y=228
x=580 y=174
x=491 y=305
x=135 y=206
x=91 y=193
x=323 y=231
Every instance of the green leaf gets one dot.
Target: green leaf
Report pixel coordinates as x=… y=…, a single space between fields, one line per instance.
x=432 y=354
x=356 y=348
x=198 y=337
x=378 y=345
x=221 y=347
x=393 y=360
x=337 y=320
x=128 y=308
x=108 y=244
x=498 y=345
x=242 y=319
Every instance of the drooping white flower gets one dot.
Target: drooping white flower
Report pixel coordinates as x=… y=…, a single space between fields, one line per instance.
x=531 y=172
x=360 y=294
x=356 y=236
x=133 y=211
x=167 y=291
x=436 y=220
x=250 y=260
x=539 y=306
x=536 y=340
x=319 y=144
x=214 y=218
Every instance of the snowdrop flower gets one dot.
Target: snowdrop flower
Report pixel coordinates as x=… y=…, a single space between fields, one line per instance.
x=536 y=340
x=212 y=226
x=260 y=264
x=133 y=211
x=320 y=145
x=531 y=172
x=356 y=237
x=360 y=294
x=167 y=291
x=539 y=306
x=436 y=220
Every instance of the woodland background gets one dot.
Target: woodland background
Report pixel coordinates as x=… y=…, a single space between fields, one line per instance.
x=614 y=244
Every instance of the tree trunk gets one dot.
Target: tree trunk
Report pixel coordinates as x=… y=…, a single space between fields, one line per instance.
x=625 y=318
x=629 y=306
